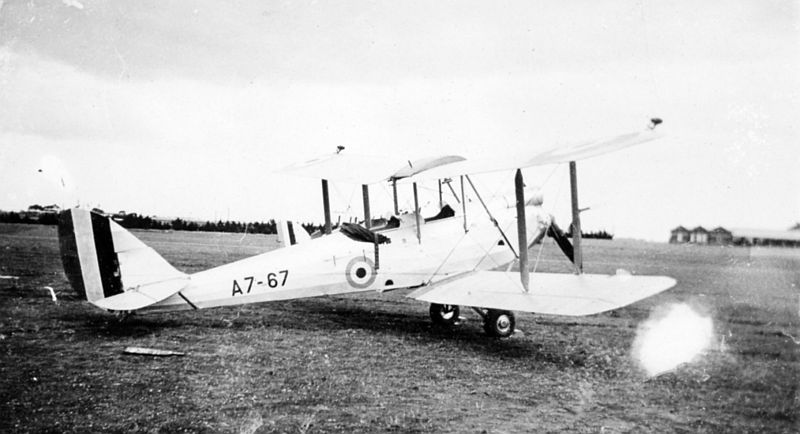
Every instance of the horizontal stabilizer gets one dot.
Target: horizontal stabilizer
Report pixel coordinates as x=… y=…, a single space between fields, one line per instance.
x=553 y=294
x=142 y=296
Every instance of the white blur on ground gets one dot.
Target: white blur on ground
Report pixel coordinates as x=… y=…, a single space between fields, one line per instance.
x=673 y=335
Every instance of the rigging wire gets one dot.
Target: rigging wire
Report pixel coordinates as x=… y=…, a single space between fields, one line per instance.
x=347 y=211
x=446 y=258
x=559 y=192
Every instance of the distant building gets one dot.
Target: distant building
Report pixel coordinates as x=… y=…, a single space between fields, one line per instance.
x=679 y=235
x=720 y=237
x=740 y=237
x=699 y=235
x=35 y=212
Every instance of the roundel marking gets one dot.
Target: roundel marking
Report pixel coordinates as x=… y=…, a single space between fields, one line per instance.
x=360 y=272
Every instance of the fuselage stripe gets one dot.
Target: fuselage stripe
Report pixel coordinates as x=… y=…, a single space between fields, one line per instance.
x=84 y=237
x=107 y=260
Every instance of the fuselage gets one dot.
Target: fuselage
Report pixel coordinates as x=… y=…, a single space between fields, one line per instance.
x=335 y=264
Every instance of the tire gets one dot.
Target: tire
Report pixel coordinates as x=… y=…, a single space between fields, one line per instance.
x=444 y=314
x=499 y=323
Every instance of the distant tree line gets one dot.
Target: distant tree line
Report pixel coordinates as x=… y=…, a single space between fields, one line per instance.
x=598 y=235
x=136 y=221
x=48 y=215
x=21 y=217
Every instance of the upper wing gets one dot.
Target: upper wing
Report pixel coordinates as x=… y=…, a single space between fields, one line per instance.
x=367 y=169
x=554 y=294
x=345 y=167
x=558 y=154
x=425 y=164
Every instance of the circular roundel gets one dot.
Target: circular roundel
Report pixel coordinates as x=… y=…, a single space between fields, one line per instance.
x=360 y=272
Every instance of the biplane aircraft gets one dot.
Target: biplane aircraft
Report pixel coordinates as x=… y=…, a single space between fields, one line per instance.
x=459 y=257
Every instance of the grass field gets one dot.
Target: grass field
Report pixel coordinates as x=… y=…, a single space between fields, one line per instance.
x=374 y=363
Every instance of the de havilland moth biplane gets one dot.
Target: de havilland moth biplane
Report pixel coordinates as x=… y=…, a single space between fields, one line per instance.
x=459 y=257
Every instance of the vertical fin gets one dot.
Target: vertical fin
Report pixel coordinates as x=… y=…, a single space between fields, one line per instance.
x=290 y=233
x=103 y=261
x=283 y=234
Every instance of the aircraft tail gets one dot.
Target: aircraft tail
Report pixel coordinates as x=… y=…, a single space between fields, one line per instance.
x=110 y=267
x=290 y=233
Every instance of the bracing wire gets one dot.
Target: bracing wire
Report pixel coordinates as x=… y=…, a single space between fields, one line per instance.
x=559 y=192
x=447 y=258
x=347 y=211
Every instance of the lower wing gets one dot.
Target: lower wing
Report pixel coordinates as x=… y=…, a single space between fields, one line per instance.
x=554 y=294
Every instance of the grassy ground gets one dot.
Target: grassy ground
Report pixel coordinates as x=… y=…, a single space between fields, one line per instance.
x=370 y=362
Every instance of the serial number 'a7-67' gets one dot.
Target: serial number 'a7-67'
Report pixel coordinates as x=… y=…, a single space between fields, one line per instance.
x=274 y=280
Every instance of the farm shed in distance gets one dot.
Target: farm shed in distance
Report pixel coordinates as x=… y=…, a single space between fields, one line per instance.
x=699 y=235
x=720 y=237
x=679 y=235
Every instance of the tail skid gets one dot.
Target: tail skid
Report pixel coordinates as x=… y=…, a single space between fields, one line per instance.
x=110 y=267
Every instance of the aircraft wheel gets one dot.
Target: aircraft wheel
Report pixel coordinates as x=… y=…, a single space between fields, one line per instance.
x=499 y=323
x=444 y=314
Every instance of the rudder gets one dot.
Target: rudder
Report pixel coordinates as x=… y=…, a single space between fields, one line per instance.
x=102 y=260
x=87 y=253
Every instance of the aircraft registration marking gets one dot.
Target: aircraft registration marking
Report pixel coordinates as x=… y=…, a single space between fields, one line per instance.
x=274 y=280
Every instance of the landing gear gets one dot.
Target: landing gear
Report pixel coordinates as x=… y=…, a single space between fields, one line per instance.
x=498 y=323
x=444 y=314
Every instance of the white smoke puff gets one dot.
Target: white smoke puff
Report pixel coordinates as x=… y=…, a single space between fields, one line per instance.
x=673 y=335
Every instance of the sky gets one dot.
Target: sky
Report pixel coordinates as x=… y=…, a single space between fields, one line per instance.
x=189 y=108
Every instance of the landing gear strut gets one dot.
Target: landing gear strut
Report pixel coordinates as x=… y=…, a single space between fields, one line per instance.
x=444 y=314
x=498 y=323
